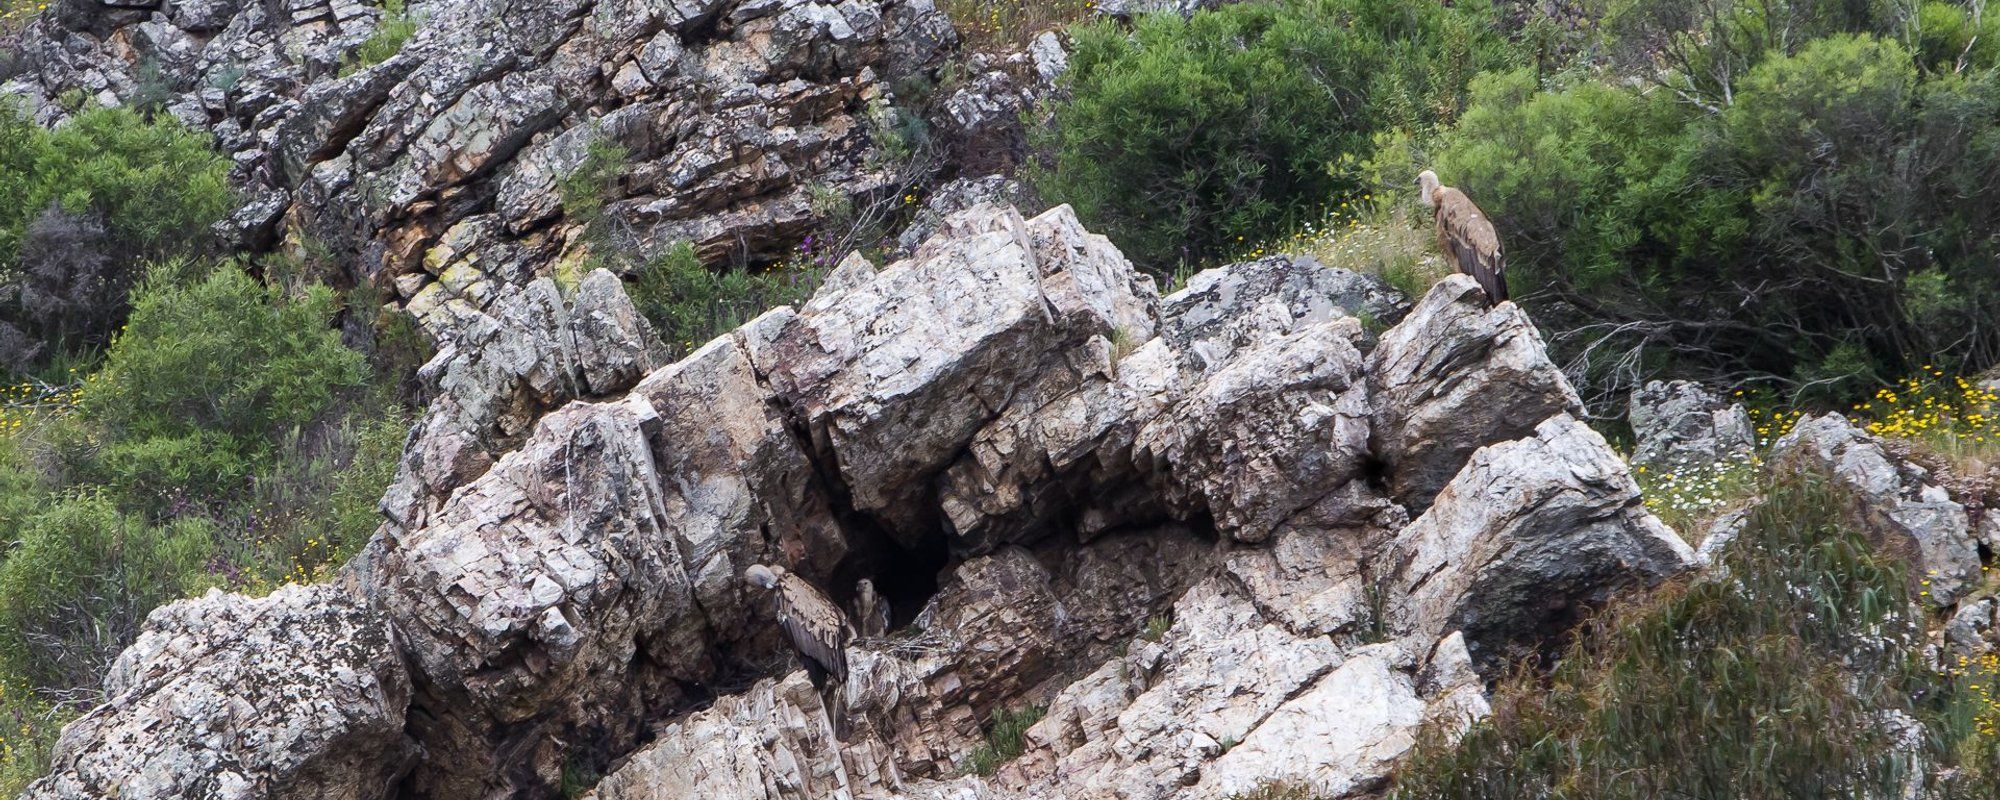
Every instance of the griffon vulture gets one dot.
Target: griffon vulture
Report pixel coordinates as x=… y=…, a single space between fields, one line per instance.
x=818 y=632
x=1465 y=236
x=871 y=612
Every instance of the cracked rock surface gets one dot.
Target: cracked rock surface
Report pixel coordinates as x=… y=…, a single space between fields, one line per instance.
x=1221 y=538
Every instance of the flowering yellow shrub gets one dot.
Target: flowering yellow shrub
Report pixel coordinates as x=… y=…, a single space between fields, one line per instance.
x=21 y=402
x=1932 y=406
x=16 y=14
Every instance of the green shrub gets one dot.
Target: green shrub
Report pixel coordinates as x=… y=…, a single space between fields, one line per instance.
x=392 y=31
x=80 y=579
x=1835 y=221
x=156 y=184
x=585 y=189
x=81 y=206
x=207 y=377
x=689 y=304
x=1184 y=139
x=1771 y=682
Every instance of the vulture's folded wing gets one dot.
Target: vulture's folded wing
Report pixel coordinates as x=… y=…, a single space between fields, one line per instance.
x=815 y=625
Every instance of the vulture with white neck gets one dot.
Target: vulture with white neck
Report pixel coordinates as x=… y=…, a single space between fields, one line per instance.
x=1465 y=236
x=818 y=631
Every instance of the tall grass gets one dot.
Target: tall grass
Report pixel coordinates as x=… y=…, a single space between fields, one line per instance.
x=1789 y=674
x=996 y=25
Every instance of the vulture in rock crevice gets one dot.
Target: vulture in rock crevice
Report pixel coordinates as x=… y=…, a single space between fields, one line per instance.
x=871 y=611
x=1465 y=236
x=818 y=632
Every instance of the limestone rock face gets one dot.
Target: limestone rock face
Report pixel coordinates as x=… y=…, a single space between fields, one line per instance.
x=1453 y=377
x=791 y=756
x=594 y=571
x=301 y=694
x=1680 y=424
x=1525 y=536
x=1894 y=499
x=1178 y=526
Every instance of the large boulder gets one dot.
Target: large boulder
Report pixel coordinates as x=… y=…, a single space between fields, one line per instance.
x=1276 y=437
x=1678 y=424
x=791 y=755
x=593 y=572
x=1454 y=376
x=300 y=694
x=894 y=374
x=1894 y=499
x=1527 y=536
x=1222 y=309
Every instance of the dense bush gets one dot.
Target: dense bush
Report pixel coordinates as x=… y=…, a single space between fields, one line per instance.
x=80 y=579
x=1776 y=681
x=207 y=378
x=227 y=440
x=1182 y=138
x=1834 y=221
x=81 y=206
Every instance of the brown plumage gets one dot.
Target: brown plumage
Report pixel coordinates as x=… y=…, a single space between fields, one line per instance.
x=1465 y=236
x=818 y=632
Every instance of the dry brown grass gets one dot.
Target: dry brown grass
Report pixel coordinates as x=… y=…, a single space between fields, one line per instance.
x=998 y=25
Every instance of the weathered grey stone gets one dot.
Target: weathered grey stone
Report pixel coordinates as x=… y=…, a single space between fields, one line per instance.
x=1680 y=424
x=1902 y=510
x=895 y=376
x=1342 y=736
x=1530 y=534
x=573 y=582
x=1276 y=437
x=771 y=742
x=1455 y=376
x=1221 y=309
x=300 y=694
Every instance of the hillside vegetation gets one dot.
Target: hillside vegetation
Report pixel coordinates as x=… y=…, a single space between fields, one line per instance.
x=1795 y=195
x=1799 y=199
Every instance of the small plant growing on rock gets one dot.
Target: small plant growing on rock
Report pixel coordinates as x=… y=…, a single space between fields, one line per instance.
x=688 y=304
x=391 y=33
x=586 y=189
x=1156 y=627
x=1005 y=739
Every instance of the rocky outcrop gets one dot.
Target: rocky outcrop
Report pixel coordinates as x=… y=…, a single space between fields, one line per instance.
x=300 y=694
x=1454 y=377
x=436 y=176
x=1167 y=521
x=592 y=573
x=1903 y=512
x=1679 y=424
x=1529 y=533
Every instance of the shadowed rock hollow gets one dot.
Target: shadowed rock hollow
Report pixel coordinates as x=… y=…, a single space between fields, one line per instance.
x=1224 y=538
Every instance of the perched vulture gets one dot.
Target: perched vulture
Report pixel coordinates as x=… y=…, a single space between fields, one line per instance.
x=818 y=632
x=1465 y=236
x=871 y=612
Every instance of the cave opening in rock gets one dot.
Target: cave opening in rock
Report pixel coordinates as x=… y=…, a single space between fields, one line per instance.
x=906 y=574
